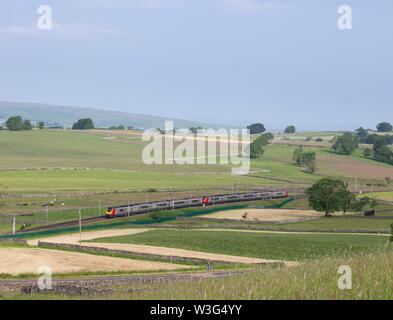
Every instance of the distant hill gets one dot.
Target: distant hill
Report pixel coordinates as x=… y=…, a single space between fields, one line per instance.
x=56 y=115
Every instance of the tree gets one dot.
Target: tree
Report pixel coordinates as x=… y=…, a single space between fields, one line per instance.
x=296 y=155
x=347 y=200
x=27 y=125
x=382 y=152
x=256 y=128
x=269 y=135
x=358 y=205
x=290 y=129
x=14 y=123
x=83 y=124
x=256 y=147
x=361 y=133
x=367 y=152
x=305 y=159
x=345 y=144
x=328 y=195
x=308 y=160
x=194 y=130
x=41 y=125
x=384 y=127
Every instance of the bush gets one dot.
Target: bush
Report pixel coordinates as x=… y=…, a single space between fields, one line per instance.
x=83 y=124
x=156 y=215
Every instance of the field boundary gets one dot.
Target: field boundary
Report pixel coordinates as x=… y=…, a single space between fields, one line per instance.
x=256 y=227
x=145 y=255
x=248 y=221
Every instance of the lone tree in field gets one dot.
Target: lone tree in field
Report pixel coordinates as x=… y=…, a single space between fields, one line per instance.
x=384 y=127
x=305 y=159
x=256 y=128
x=290 y=129
x=345 y=144
x=83 y=124
x=329 y=196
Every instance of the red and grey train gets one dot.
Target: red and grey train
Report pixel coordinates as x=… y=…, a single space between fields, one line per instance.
x=139 y=208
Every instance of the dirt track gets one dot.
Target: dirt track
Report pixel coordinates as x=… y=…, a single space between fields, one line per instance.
x=27 y=260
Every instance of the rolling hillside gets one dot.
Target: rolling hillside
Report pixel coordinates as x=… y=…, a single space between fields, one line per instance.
x=67 y=115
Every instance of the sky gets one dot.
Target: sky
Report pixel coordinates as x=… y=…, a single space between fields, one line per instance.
x=237 y=62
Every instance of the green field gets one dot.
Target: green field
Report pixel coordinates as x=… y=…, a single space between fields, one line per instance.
x=291 y=247
x=73 y=181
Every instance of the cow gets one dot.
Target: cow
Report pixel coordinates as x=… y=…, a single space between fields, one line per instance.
x=370 y=213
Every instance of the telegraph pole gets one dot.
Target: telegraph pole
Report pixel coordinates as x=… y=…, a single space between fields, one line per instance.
x=47 y=219
x=99 y=207
x=13 y=225
x=80 y=227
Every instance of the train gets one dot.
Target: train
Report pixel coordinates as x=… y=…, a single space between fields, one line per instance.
x=140 y=208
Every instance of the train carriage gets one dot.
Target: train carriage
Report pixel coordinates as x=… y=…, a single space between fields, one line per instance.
x=140 y=208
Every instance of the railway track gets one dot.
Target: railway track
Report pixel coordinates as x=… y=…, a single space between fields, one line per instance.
x=62 y=225
x=102 y=218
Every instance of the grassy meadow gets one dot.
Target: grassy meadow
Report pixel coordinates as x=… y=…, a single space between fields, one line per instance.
x=290 y=247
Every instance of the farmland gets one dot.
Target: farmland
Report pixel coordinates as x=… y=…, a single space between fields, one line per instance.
x=66 y=170
x=290 y=247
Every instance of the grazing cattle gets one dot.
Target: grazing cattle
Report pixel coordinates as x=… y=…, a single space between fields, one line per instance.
x=370 y=213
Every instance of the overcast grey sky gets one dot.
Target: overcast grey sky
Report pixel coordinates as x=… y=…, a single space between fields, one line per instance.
x=279 y=62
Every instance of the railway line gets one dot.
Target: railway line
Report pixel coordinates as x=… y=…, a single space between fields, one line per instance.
x=61 y=225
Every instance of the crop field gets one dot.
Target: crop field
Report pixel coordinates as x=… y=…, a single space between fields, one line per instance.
x=289 y=247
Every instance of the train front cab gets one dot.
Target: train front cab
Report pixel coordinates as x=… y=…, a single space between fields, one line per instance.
x=110 y=213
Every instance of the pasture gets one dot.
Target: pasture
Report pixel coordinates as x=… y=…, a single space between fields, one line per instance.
x=276 y=246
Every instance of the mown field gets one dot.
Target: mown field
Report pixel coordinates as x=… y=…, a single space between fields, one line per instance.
x=290 y=247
